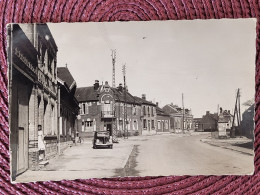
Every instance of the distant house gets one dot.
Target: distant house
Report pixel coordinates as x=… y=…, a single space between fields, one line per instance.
x=179 y=118
x=209 y=122
x=163 y=120
x=68 y=107
x=248 y=123
x=224 y=122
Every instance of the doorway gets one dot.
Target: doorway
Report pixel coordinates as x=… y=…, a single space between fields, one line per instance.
x=23 y=127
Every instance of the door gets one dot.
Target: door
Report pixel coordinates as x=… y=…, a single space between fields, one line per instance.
x=23 y=128
x=109 y=128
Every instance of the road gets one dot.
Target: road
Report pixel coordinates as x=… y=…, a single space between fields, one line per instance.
x=164 y=154
x=171 y=155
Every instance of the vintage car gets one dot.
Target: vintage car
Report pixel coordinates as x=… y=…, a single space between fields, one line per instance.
x=102 y=139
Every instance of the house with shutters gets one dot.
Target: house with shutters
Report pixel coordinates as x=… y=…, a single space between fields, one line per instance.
x=148 y=115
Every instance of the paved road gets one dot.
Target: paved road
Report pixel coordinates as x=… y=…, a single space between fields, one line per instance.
x=171 y=155
x=165 y=154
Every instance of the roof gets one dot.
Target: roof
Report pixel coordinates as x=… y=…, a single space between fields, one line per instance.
x=120 y=97
x=64 y=74
x=143 y=101
x=84 y=94
x=160 y=111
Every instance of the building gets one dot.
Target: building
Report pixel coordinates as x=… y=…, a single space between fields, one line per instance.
x=209 y=122
x=68 y=107
x=197 y=124
x=103 y=108
x=248 y=123
x=148 y=115
x=32 y=95
x=179 y=119
x=224 y=122
x=162 y=119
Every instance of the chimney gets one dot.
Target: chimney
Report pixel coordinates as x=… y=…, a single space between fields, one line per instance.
x=207 y=112
x=228 y=111
x=96 y=85
x=157 y=104
x=220 y=109
x=120 y=87
x=144 y=96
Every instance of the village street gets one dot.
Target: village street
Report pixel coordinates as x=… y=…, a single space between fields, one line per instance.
x=161 y=154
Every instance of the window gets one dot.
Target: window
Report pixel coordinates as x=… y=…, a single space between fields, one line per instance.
x=159 y=124
x=84 y=108
x=144 y=124
x=152 y=111
x=148 y=110
x=144 y=111
x=88 y=126
x=153 y=124
x=166 y=124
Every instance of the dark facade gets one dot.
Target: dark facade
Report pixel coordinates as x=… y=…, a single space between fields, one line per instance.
x=32 y=95
x=248 y=123
x=68 y=107
x=208 y=122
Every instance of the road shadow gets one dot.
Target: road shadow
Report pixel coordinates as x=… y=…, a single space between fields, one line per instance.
x=248 y=145
x=129 y=168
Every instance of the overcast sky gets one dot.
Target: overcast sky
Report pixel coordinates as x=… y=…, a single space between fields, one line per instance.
x=206 y=60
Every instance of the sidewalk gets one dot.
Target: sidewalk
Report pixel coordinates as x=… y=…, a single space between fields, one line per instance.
x=81 y=161
x=240 y=144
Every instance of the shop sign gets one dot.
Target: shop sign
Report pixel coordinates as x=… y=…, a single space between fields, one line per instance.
x=19 y=54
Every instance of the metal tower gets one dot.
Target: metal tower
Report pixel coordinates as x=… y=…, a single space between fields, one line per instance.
x=113 y=70
x=115 y=140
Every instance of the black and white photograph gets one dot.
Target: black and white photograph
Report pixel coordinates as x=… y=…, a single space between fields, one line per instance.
x=131 y=99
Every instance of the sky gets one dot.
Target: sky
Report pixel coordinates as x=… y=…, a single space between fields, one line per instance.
x=205 y=60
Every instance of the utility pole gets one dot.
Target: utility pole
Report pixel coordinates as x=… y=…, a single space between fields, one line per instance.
x=236 y=114
x=125 y=107
x=183 y=113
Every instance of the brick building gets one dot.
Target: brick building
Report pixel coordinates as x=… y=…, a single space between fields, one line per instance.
x=102 y=108
x=148 y=115
x=68 y=107
x=32 y=95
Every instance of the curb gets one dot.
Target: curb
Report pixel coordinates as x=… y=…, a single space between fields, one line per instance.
x=246 y=153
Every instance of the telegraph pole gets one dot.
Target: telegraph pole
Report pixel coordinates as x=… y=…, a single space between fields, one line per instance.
x=236 y=114
x=125 y=107
x=183 y=113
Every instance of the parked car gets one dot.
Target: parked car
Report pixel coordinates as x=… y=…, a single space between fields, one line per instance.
x=102 y=139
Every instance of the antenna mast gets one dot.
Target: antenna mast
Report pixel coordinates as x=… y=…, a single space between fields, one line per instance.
x=113 y=69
